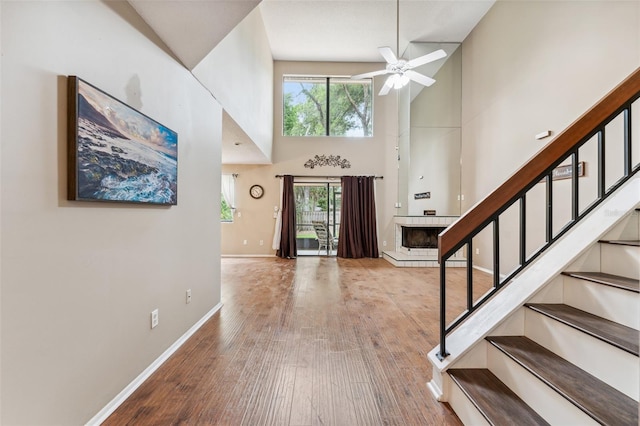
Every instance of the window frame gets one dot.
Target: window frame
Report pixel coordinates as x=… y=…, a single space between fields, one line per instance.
x=327 y=125
x=232 y=179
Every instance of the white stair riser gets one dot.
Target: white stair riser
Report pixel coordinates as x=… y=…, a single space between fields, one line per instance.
x=613 y=366
x=611 y=303
x=627 y=229
x=463 y=407
x=554 y=408
x=620 y=260
x=587 y=261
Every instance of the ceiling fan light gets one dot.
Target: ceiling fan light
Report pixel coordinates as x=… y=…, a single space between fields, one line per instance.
x=397 y=82
x=400 y=69
x=392 y=80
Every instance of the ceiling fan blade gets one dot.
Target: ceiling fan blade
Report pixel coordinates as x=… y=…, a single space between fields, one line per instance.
x=388 y=54
x=419 y=78
x=368 y=74
x=425 y=59
x=388 y=85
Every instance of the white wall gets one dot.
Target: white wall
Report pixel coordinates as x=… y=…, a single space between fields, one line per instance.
x=368 y=156
x=530 y=66
x=80 y=279
x=1 y=96
x=436 y=142
x=239 y=73
x=403 y=151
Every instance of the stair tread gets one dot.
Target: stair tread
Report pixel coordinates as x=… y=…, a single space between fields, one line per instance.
x=618 y=335
x=635 y=243
x=495 y=401
x=600 y=401
x=624 y=283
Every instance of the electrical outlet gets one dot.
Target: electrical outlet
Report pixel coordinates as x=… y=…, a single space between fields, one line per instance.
x=477 y=250
x=384 y=244
x=154 y=318
x=189 y=296
x=261 y=242
x=244 y=242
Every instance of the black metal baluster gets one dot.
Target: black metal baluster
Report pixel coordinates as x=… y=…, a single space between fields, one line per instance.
x=470 y=274
x=549 y=180
x=496 y=253
x=627 y=141
x=523 y=229
x=574 y=186
x=443 y=350
x=601 y=167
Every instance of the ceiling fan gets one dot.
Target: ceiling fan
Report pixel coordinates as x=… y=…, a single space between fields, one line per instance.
x=400 y=69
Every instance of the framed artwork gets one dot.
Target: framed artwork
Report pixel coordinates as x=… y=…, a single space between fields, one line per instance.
x=116 y=153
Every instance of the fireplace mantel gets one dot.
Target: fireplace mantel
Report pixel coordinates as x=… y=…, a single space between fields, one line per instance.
x=424 y=220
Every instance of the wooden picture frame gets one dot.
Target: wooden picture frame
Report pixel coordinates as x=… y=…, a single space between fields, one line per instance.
x=116 y=153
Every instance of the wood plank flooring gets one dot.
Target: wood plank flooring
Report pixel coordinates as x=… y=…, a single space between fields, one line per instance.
x=312 y=341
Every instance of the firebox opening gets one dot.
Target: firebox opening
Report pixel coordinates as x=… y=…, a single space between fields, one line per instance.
x=420 y=237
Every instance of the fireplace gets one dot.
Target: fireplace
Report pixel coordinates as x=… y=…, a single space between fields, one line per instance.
x=416 y=242
x=416 y=237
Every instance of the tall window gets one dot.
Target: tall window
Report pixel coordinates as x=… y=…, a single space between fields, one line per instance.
x=227 y=195
x=327 y=106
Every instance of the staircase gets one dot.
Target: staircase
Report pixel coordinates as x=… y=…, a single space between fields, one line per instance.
x=569 y=356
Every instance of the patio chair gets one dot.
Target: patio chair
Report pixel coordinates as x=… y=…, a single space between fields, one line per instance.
x=325 y=239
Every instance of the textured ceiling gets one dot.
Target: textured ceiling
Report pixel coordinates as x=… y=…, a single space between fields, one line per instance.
x=192 y=28
x=306 y=30
x=351 y=31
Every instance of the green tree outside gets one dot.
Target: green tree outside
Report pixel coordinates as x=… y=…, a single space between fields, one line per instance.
x=305 y=107
x=225 y=211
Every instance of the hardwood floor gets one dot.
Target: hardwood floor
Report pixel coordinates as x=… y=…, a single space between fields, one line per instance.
x=312 y=341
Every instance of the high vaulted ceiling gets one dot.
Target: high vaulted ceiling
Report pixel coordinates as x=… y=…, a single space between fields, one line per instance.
x=307 y=30
x=192 y=28
x=351 y=31
x=311 y=30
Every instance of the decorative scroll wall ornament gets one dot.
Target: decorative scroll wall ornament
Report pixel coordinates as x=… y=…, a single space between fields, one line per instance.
x=331 y=160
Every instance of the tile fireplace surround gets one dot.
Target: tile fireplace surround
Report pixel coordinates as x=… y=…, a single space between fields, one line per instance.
x=419 y=257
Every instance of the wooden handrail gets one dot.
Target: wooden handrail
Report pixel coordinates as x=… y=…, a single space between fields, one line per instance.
x=542 y=161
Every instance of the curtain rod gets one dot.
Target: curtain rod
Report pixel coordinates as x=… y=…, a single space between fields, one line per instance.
x=322 y=177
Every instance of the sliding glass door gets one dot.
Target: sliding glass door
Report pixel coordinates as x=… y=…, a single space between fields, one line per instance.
x=317 y=218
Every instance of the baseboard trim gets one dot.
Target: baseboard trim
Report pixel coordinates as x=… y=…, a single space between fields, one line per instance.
x=135 y=384
x=479 y=268
x=488 y=271
x=435 y=390
x=247 y=255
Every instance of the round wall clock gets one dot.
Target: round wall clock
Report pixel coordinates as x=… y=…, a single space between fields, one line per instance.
x=256 y=191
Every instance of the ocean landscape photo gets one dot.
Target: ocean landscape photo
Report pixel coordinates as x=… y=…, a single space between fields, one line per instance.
x=121 y=154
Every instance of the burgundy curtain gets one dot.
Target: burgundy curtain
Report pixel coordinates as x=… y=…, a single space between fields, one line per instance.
x=288 y=234
x=358 y=234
